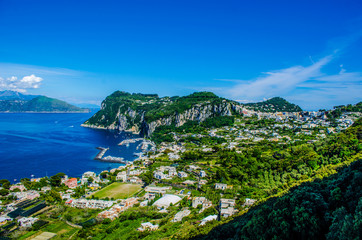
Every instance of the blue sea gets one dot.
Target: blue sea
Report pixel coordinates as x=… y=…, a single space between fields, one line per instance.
x=43 y=144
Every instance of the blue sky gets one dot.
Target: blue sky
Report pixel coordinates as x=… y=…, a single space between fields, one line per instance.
x=309 y=52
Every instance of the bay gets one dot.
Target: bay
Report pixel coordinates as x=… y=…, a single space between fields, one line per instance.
x=43 y=144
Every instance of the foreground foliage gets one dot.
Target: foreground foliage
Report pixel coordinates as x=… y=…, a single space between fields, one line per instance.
x=324 y=209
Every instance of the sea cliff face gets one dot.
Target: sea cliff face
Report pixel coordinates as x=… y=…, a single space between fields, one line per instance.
x=138 y=119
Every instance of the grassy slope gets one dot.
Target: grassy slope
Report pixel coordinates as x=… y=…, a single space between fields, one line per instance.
x=118 y=191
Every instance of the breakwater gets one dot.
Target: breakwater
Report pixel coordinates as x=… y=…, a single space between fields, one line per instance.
x=101 y=153
x=111 y=159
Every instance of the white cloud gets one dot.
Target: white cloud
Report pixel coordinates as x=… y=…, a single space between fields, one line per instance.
x=31 y=81
x=278 y=82
x=20 y=85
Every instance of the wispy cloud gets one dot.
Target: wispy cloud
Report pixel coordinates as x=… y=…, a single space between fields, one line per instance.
x=9 y=69
x=230 y=80
x=309 y=86
x=278 y=82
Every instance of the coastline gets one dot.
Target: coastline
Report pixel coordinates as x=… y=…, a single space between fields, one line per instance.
x=48 y=112
x=110 y=128
x=95 y=127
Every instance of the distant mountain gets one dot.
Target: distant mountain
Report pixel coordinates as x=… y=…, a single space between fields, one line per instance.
x=16 y=102
x=276 y=104
x=88 y=105
x=13 y=95
x=45 y=104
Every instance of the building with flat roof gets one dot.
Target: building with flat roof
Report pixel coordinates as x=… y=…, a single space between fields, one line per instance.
x=166 y=201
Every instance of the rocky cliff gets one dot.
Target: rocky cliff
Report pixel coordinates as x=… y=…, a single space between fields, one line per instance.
x=142 y=114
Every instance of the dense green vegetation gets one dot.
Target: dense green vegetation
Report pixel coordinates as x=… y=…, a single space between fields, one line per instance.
x=38 y=104
x=288 y=173
x=339 y=110
x=276 y=104
x=324 y=209
x=328 y=208
x=163 y=133
x=138 y=108
x=269 y=168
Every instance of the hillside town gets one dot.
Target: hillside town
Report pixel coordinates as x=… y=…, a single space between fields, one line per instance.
x=162 y=179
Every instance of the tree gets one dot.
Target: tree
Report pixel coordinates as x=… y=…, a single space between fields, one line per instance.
x=55 y=195
x=104 y=174
x=55 y=181
x=4 y=192
x=90 y=180
x=147 y=177
x=5 y=183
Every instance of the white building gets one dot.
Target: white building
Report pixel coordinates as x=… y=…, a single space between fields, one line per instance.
x=161 y=190
x=204 y=202
x=85 y=203
x=89 y=174
x=160 y=175
x=166 y=201
x=249 y=202
x=122 y=176
x=227 y=207
x=180 y=215
x=182 y=174
x=27 y=222
x=173 y=156
x=147 y=226
x=221 y=186
x=208 y=219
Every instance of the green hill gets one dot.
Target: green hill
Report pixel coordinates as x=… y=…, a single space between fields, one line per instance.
x=144 y=113
x=276 y=104
x=46 y=104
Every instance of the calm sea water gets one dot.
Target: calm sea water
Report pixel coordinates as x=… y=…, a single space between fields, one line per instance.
x=43 y=144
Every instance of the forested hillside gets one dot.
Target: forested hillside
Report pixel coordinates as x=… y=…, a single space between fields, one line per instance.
x=330 y=208
x=323 y=209
x=143 y=113
x=276 y=104
x=339 y=110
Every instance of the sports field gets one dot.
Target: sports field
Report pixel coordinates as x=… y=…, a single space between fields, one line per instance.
x=118 y=191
